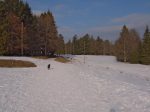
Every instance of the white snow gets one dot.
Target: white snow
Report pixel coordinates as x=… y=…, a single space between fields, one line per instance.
x=100 y=85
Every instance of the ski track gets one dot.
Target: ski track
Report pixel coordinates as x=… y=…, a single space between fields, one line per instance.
x=99 y=85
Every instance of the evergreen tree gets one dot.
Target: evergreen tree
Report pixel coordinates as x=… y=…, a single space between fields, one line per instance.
x=61 y=45
x=3 y=29
x=135 y=46
x=74 y=44
x=106 y=47
x=92 y=46
x=49 y=33
x=99 y=44
x=145 y=55
x=69 y=47
x=14 y=31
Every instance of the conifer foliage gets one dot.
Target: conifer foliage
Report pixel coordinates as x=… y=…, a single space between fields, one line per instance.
x=145 y=55
x=88 y=45
x=22 y=33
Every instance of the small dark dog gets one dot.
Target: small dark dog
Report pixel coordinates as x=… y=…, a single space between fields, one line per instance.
x=49 y=66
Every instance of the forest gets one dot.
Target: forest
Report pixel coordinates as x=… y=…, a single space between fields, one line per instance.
x=23 y=33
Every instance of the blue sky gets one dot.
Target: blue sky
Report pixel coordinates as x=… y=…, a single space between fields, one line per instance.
x=96 y=17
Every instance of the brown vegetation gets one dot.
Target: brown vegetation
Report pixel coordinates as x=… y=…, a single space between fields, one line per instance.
x=16 y=63
x=62 y=60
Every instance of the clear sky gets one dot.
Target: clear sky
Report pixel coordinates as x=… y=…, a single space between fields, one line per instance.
x=96 y=17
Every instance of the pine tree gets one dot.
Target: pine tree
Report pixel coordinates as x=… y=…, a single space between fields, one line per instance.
x=74 y=44
x=21 y=32
x=106 y=47
x=92 y=46
x=3 y=29
x=99 y=44
x=49 y=33
x=61 y=45
x=145 y=55
x=14 y=40
x=135 y=46
x=69 y=47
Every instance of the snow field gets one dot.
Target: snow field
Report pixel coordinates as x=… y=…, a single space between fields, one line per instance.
x=99 y=85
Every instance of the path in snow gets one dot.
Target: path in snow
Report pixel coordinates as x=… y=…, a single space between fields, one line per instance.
x=100 y=85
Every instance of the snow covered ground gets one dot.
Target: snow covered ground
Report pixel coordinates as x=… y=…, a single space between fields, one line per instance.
x=99 y=85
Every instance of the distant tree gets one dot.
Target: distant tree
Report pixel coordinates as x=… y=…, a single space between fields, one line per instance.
x=74 y=44
x=145 y=55
x=128 y=46
x=99 y=44
x=107 y=47
x=48 y=33
x=14 y=40
x=69 y=47
x=3 y=29
x=88 y=45
x=122 y=47
x=35 y=42
x=61 y=45
x=92 y=46
x=135 y=47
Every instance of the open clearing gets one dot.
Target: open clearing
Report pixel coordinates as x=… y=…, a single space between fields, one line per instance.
x=99 y=85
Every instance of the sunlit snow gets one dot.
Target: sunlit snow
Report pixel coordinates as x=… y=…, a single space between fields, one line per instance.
x=101 y=84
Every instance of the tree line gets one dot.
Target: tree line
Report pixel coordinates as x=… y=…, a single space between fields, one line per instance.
x=23 y=33
x=26 y=34
x=88 y=45
x=129 y=47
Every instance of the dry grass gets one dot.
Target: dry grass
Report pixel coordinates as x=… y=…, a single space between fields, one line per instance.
x=40 y=57
x=16 y=63
x=62 y=60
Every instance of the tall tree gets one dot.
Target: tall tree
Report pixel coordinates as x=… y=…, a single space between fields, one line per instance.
x=107 y=47
x=74 y=44
x=23 y=33
x=49 y=32
x=61 y=45
x=145 y=55
x=122 y=47
x=99 y=44
x=135 y=46
x=14 y=40
x=128 y=46
x=3 y=28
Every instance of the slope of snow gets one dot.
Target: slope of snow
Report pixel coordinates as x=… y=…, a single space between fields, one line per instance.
x=99 y=85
